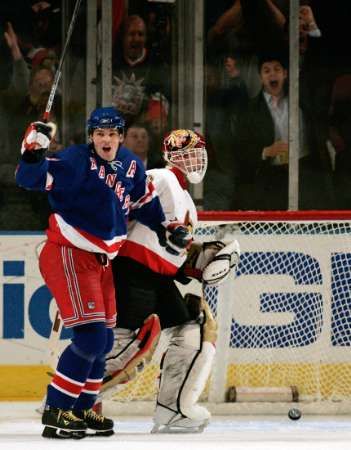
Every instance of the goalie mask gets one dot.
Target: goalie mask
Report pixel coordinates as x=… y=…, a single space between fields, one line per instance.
x=186 y=150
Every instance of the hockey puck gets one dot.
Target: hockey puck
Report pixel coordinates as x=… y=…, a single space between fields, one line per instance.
x=294 y=414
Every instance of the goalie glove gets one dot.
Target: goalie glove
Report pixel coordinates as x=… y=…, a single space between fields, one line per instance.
x=37 y=137
x=219 y=268
x=211 y=262
x=199 y=256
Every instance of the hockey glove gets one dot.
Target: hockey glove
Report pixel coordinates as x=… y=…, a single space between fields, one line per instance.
x=38 y=136
x=211 y=262
x=176 y=238
x=225 y=261
x=199 y=256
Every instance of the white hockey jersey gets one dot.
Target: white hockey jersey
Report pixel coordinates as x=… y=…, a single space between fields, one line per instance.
x=142 y=243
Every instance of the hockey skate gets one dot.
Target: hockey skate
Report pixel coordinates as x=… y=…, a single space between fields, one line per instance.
x=61 y=424
x=99 y=424
x=169 y=421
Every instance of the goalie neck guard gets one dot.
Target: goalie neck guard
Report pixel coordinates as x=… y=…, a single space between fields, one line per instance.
x=186 y=150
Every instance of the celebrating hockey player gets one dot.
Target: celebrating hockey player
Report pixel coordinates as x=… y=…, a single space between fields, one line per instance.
x=148 y=299
x=91 y=188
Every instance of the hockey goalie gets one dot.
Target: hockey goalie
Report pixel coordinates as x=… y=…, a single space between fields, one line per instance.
x=149 y=301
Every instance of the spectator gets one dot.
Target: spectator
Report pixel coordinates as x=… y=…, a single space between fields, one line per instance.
x=15 y=89
x=24 y=101
x=316 y=76
x=224 y=107
x=156 y=116
x=308 y=27
x=138 y=73
x=46 y=23
x=158 y=21
x=263 y=142
x=253 y=27
x=16 y=213
x=138 y=140
x=340 y=139
x=34 y=103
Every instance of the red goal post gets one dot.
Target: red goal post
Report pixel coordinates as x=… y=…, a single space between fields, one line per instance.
x=284 y=317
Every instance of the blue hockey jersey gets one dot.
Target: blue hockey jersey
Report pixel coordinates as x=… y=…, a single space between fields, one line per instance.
x=91 y=198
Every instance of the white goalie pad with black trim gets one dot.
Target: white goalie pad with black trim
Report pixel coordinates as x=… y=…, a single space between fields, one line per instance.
x=218 y=269
x=131 y=353
x=185 y=369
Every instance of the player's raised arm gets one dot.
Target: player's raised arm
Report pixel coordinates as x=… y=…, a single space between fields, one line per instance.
x=32 y=170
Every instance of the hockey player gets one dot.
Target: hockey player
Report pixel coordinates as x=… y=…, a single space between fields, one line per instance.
x=91 y=188
x=144 y=275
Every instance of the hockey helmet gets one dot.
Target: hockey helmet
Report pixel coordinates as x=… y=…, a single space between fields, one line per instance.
x=107 y=117
x=186 y=150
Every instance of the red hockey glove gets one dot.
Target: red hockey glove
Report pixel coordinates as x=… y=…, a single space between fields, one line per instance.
x=38 y=136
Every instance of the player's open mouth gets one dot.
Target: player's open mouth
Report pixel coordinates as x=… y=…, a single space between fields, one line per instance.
x=106 y=149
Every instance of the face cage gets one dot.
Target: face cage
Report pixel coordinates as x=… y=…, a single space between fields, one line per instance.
x=192 y=162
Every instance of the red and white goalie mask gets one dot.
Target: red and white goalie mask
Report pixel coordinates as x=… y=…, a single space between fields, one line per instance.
x=186 y=150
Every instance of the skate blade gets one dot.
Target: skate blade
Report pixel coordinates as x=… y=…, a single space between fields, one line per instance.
x=56 y=433
x=94 y=433
x=169 y=429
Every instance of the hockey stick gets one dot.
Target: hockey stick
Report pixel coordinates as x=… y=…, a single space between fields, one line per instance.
x=50 y=101
x=53 y=352
x=56 y=328
x=53 y=342
x=58 y=324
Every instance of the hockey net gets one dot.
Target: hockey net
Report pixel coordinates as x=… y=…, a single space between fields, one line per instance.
x=284 y=317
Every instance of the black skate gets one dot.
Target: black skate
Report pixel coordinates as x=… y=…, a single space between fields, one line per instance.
x=61 y=424
x=101 y=425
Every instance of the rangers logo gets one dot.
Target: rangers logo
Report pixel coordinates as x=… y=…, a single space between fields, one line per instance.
x=91 y=304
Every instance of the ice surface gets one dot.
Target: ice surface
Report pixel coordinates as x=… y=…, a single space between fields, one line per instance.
x=20 y=429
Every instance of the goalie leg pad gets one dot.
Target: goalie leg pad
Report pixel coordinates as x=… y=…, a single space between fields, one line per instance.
x=198 y=309
x=186 y=367
x=131 y=352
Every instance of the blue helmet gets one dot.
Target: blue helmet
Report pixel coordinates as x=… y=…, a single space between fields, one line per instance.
x=107 y=117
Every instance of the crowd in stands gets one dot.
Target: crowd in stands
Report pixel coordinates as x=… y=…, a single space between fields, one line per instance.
x=246 y=93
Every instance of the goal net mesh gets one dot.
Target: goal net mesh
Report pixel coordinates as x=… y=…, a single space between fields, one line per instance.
x=284 y=316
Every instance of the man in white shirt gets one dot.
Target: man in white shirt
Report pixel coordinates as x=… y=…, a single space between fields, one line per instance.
x=263 y=140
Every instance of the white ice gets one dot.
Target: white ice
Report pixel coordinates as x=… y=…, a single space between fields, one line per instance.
x=20 y=429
